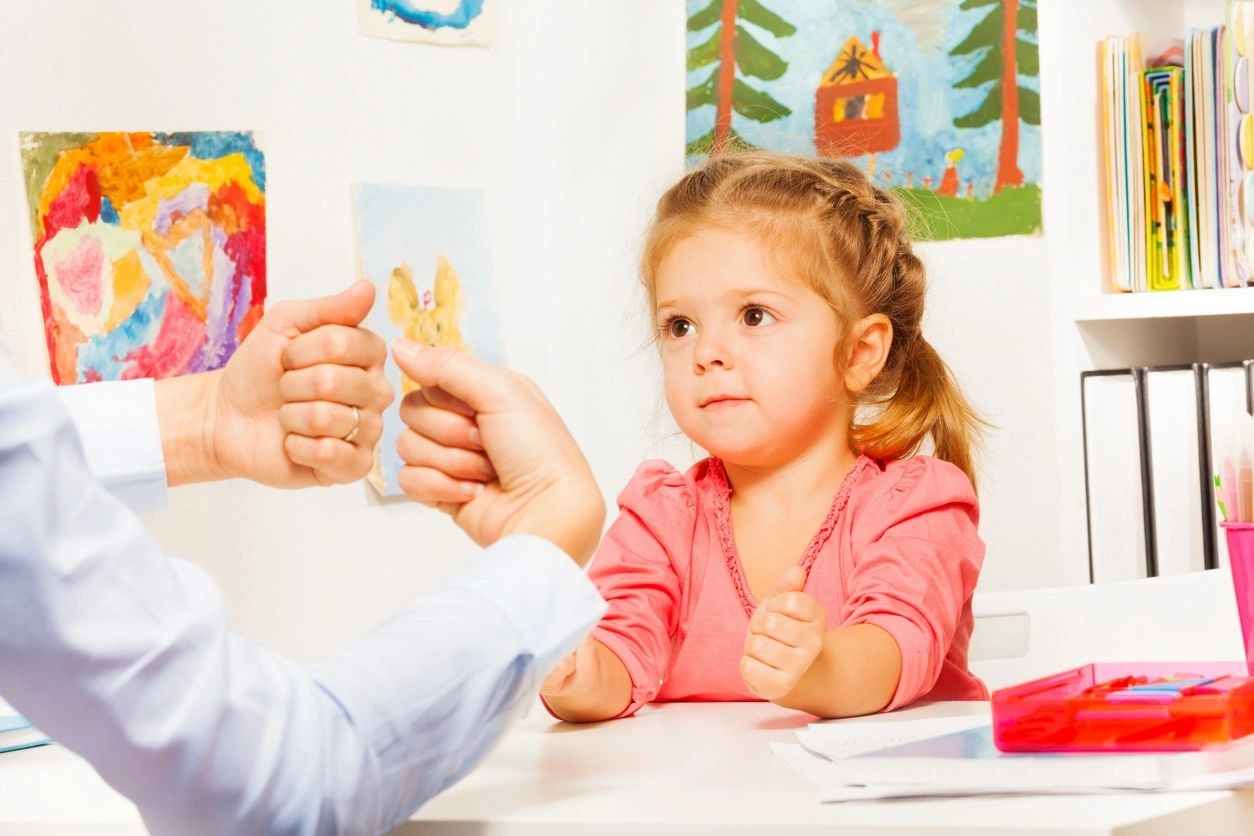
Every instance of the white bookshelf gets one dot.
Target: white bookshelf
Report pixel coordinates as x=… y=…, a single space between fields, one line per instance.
x=1092 y=327
x=1172 y=304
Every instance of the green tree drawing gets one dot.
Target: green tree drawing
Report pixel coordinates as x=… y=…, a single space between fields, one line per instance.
x=732 y=47
x=1005 y=57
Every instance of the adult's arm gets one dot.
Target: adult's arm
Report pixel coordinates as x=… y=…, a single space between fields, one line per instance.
x=277 y=413
x=123 y=656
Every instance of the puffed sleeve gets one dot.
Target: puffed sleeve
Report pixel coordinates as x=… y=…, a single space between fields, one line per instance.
x=638 y=570
x=917 y=556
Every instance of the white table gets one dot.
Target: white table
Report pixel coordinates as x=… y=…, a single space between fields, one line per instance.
x=673 y=769
x=707 y=769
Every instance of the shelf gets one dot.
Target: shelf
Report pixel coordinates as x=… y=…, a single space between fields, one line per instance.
x=1166 y=304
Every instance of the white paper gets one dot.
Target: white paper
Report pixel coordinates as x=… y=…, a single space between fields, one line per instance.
x=845 y=738
x=854 y=738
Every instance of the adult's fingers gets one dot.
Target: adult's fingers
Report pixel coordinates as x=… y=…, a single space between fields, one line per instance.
x=443 y=426
x=339 y=344
x=437 y=397
x=325 y=419
x=431 y=487
x=348 y=307
x=338 y=384
x=462 y=465
x=482 y=386
x=332 y=460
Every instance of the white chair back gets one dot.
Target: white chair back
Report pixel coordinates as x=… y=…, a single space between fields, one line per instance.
x=1024 y=634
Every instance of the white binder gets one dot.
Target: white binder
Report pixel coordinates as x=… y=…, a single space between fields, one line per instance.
x=1120 y=542
x=1228 y=401
x=1178 y=481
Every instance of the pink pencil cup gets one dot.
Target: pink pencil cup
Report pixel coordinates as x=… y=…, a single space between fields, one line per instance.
x=1241 y=560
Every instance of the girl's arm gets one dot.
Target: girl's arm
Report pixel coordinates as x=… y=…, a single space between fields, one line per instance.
x=589 y=685
x=793 y=660
x=906 y=608
x=856 y=672
x=637 y=569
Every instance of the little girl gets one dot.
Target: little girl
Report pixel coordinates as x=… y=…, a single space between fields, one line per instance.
x=813 y=559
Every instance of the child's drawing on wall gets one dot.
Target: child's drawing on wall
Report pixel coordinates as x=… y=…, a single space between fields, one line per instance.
x=440 y=22
x=150 y=249
x=433 y=318
x=426 y=251
x=934 y=99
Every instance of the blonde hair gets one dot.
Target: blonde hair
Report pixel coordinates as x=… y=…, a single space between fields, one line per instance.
x=848 y=241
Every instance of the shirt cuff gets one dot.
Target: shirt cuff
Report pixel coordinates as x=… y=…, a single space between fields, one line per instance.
x=117 y=422
x=547 y=598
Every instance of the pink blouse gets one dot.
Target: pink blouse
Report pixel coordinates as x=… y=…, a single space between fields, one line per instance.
x=898 y=549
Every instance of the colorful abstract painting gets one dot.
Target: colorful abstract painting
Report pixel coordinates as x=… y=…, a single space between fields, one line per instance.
x=150 y=249
x=936 y=99
x=441 y=22
x=426 y=251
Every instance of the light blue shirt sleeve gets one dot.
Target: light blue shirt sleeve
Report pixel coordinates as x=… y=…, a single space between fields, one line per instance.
x=123 y=656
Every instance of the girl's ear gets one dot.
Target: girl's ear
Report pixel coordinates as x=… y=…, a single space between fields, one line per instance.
x=869 y=341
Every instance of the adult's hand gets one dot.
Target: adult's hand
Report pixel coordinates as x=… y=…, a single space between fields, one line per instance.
x=484 y=445
x=279 y=412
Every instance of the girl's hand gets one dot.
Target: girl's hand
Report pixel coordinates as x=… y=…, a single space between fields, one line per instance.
x=785 y=637
x=577 y=668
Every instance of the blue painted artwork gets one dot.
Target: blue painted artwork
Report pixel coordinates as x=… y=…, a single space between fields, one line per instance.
x=918 y=93
x=427 y=253
x=459 y=17
x=447 y=23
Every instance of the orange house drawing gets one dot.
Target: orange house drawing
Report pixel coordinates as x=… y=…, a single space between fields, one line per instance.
x=855 y=106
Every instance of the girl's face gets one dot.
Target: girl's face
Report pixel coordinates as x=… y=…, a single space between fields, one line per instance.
x=748 y=352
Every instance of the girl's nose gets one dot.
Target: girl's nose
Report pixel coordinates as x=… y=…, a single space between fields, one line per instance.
x=711 y=352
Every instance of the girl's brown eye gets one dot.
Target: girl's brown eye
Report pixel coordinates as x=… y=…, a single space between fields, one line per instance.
x=755 y=316
x=679 y=327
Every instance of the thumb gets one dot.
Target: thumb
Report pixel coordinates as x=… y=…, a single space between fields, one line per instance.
x=793 y=579
x=481 y=386
x=348 y=307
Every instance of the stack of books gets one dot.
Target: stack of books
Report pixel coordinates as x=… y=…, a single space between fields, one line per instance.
x=1178 y=157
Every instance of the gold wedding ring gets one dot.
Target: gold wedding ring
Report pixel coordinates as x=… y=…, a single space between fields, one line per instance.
x=356 y=424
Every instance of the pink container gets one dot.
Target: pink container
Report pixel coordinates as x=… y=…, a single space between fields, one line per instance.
x=1241 y=560
x=1124 y=706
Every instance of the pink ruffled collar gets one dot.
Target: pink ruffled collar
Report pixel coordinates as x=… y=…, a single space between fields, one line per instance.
x=722 y=517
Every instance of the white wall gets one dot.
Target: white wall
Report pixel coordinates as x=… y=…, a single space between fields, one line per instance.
x=561 y=122
x=988 y=317
x=573 y=122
